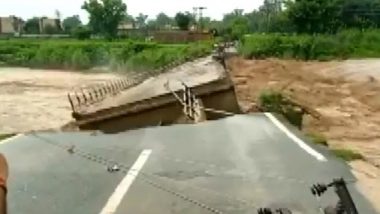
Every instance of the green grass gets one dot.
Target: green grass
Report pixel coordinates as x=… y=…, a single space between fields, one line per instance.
x=82 y=55
x=318 y=139
x=345 y=44
x=155 y=58
x=5 y=136
x=273 y=101
x=347 y=155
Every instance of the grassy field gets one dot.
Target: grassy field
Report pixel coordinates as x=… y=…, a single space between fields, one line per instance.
x=81 y=55
x=345 y=44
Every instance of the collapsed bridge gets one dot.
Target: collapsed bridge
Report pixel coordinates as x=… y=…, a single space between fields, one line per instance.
x=136 y=104
x=237 y=164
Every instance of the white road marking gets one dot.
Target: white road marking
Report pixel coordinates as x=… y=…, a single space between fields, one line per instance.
x=122 y=188
x=298 y=141
x=11 y=138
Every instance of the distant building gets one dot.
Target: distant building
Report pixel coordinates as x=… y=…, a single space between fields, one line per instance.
x=130 y=30
x=55 y=23
x=10 y=25
x=125 y=27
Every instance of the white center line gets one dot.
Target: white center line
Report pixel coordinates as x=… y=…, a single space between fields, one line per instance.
x=122 y=188
x=298 y=141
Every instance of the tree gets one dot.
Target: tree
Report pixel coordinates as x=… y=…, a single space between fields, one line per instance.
x=71 y=23
x=163 y=20
x=32 y=26
x=152 y=25
x=230 y=17
x=239 y=27
x=183 y=20
x=257 y=21
x=81 y=33
x=204 y=23
x=280 y=23
x=216 y=27
x=105 y=16
x=235 y=24
x=360 y=13
x=314 y=16
x=141 y=20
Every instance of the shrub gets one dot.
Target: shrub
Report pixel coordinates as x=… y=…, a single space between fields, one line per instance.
x=5 y=136
x=318 y=139
x=152 y=59
x=41 y=58
x=271 y=101
x=347 y=155
x=81 y=33
x=80 y=60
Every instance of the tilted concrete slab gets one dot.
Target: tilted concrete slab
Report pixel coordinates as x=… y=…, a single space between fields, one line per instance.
x=194 y=74
x=233 y=165
x=205 y=76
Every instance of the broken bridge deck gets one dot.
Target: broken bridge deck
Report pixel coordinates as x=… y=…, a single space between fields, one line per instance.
x=205 y=76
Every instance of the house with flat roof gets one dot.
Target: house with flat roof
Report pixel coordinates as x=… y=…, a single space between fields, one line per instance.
x=11 y=25
x=44 y=22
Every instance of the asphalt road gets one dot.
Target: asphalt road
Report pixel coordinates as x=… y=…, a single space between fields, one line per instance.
x=233 y=165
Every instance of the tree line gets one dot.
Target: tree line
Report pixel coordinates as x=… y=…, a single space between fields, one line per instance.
x=281 y=16
x=302 y=17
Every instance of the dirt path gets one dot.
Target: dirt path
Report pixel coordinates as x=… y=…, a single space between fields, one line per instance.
x=346 y=94
x=37 y=99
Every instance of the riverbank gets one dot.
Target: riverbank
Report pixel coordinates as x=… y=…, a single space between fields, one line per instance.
x=345 y=95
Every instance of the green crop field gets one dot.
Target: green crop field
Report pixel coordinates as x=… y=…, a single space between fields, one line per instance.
x=81 y=55
x=345 y=44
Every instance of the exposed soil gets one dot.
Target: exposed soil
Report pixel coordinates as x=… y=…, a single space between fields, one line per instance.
x=37 y=99
x=345 y=95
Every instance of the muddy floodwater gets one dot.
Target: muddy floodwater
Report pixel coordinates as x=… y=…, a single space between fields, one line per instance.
x=37 y=99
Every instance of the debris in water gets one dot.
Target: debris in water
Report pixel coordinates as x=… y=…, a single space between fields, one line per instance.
x=114 y=168
x=71 y=149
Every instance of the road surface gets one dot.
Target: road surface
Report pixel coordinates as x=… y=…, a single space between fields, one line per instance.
x=233 y=165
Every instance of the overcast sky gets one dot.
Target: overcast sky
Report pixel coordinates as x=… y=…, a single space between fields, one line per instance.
x=215 y=8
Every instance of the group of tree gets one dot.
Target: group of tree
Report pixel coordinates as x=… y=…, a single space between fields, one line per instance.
x=285 y=16
x=299 y=16
x=71 y=23
x=106 y=15
x=183 y=20
x=303 y=16
x=161 y=22
x=329 y=16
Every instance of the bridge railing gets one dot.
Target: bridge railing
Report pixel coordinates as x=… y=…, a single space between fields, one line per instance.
x=91 y=94
x=85 y=96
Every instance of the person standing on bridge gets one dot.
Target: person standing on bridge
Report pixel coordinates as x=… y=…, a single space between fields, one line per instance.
x=3 y=184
